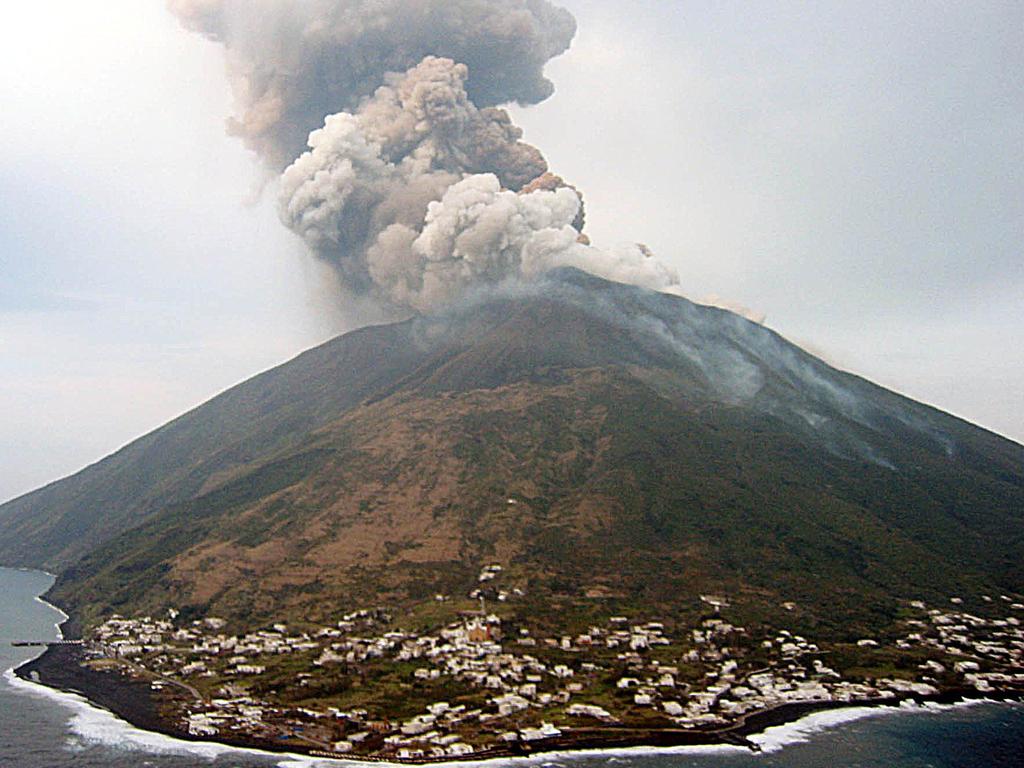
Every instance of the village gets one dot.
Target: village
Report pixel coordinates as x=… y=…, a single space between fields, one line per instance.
x=477 y=686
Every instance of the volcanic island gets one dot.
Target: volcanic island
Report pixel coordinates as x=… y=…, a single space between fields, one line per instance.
x=589 y=516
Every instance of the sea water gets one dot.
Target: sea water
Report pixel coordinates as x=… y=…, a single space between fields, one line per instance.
x=40 y=728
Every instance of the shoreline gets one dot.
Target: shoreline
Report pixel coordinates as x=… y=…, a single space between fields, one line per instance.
x=133 y=703
x=57 y=625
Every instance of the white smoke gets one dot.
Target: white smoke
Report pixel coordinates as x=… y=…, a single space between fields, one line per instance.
x=477 y=233
x=323 y=188
x=753 y=315
x=413 y=192
x=481 y=232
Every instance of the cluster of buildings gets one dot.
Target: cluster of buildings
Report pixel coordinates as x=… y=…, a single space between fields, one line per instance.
x=192 y=650
x=513 y=687
x=988 y=653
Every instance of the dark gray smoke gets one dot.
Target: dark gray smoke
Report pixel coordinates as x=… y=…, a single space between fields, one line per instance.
x=399 y=168
x=293 y=62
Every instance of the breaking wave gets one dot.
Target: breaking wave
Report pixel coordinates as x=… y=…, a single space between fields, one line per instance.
x=94 y=726
x=777 y=738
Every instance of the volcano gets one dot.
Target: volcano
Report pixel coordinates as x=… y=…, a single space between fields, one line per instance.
x=609 y=446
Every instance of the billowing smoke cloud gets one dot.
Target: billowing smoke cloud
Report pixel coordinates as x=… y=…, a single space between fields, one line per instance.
x=481 y=233
x=398 y=167
x=293 y=62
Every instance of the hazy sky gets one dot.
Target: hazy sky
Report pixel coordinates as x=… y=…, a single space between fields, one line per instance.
x=853 y=170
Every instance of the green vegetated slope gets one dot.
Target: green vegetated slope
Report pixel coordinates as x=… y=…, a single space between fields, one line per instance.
x=609 y=446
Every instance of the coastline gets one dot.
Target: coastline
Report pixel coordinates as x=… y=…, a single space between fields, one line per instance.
x=133 y=703
x=57 y=625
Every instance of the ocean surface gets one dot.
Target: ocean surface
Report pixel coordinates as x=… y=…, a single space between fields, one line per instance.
x=40 y=728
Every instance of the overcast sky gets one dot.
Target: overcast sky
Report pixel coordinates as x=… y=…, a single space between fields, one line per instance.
x=854 y=171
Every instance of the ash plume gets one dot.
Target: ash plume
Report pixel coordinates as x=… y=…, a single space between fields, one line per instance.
x=293 y=62
x=398 y=166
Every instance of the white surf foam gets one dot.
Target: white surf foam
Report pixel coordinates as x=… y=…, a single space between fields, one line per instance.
x=779 y=737
x=627 y=752
x=550 y=759
x=91 y=725
x=543 y=760
x=799 y=731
